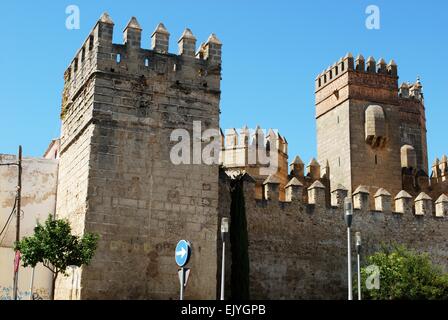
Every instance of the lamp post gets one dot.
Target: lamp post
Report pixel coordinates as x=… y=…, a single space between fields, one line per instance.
x=348 y=208
x=358 y=253
x=224 y=232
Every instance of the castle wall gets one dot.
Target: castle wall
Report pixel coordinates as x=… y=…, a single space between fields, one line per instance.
x=298 y=250
x=128 y=190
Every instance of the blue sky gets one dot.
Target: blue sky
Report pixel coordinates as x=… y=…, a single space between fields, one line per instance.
x=272 y=51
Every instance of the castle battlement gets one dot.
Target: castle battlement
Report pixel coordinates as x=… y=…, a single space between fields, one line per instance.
x=359 y=65
x=187 y=69
x=385 y=202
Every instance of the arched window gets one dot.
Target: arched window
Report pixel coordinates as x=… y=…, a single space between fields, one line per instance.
x=408 y=156
x=375 y=126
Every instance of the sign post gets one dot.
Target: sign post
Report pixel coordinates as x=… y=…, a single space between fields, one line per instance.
x=182 y=256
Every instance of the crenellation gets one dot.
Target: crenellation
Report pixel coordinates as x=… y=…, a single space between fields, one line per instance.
x=423 y=205
x=187 y=44
x=316 y=194
x=313 y=170
x=442 y=206
x=361 y=198
x=371 y=65
x=383 y=200
x=338 y=195
x=381 y=66
x=271 y=188
x=294 y=190
x=160 y=39
x=132 y=34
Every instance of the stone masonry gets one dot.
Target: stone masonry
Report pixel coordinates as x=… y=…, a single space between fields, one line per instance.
x=120 y=105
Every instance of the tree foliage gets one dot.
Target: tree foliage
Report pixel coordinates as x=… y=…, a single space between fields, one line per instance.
x=53 y=245
x=405 y=275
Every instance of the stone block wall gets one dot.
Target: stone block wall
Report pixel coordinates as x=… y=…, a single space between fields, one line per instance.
x=117 y=178
x=297 y=250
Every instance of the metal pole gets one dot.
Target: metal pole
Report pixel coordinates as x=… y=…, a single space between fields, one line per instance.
x=32 y=284
x=223 y=268
x=18 y=212
x=349 y=265
x=182 y=283
x=359 y=278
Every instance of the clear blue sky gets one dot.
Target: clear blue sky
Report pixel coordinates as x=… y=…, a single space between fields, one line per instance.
x=272 y=51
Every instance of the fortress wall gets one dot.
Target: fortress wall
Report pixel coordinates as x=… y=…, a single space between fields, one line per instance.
x=129 y=100
x=298 y=250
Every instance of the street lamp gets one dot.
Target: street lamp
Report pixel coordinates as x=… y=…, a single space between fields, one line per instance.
x=358 y=253
x=348 y=208
x=224 y=232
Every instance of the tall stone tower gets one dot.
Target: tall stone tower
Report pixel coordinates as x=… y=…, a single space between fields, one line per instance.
x=120 y=106
x=368 y=128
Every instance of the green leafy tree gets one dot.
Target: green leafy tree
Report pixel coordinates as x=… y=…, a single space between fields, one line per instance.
x=404 y=275
x=239 y=242
x=56 y=248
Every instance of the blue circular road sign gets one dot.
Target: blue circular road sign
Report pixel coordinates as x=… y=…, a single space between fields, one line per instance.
x=183 y=253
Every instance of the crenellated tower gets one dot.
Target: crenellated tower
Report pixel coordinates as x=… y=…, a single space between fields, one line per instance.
x=368 y=128
x=120 y=105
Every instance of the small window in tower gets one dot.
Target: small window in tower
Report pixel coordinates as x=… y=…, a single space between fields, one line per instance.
x=91 y=43
x=376 y=159
x=146 y=62
x=325 y=78
x=336 y=70
x=342 y=67
x=174 y=67
x=76 y=65
x=118 y=58
x=320 y=82
x=339 y=161
x=338 y=119
x=83 y=54
x=331 y=74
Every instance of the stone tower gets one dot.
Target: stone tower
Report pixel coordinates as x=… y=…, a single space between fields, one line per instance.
x=364 y=120
x=120 y=106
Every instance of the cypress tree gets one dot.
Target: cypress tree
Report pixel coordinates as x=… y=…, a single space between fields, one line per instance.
x=239 y=242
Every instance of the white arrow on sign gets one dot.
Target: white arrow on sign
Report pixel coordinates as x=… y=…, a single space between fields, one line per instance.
x=182 y=252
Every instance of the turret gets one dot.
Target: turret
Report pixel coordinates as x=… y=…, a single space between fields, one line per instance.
x=187 y=44
x=213 y=49
x=297 y=168
x=132 y=34
x=160 y=39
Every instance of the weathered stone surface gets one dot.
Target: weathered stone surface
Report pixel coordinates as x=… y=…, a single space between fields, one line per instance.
x=121 y=104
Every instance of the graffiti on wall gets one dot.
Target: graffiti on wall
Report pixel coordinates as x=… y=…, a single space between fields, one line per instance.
x=6 y=293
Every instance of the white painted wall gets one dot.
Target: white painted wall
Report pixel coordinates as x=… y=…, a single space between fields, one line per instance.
x=39 y=180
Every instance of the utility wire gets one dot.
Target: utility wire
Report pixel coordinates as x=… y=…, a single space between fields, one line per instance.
x=9 y=219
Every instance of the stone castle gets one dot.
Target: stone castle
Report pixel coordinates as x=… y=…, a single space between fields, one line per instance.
x=120 y=104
